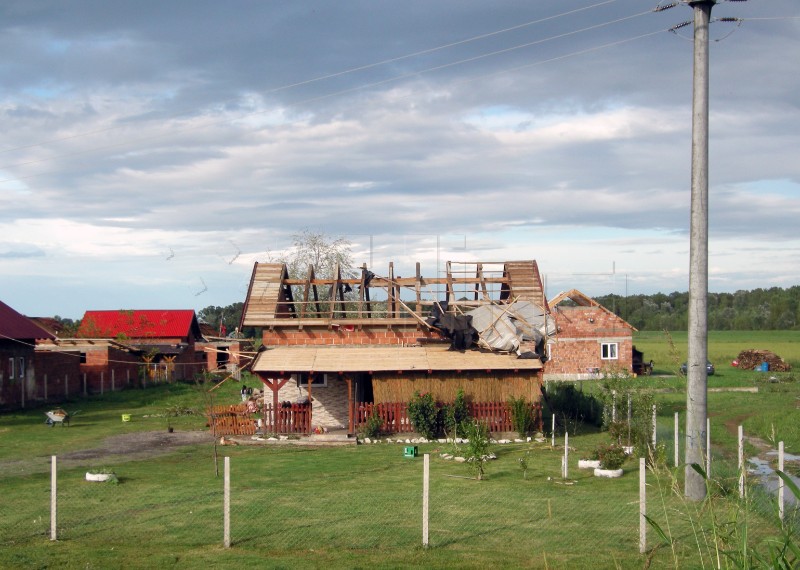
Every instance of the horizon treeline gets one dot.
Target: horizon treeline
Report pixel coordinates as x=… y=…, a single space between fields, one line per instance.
x=760 y=309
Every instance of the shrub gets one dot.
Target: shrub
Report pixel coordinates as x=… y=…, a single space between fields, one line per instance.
x=521 y=415
x=456 y=415
x=373 y=426
x=571 y=406
x=423 y=414
x=611 y=456
x=477 y=446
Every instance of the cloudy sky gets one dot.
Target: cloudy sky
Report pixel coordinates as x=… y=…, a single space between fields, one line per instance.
x=151 y=151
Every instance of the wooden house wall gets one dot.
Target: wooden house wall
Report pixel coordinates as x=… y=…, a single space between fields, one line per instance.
x=496 y=386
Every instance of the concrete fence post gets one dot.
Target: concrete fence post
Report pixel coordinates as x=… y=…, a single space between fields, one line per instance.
x=642 y=506
x=426 y=477
x=654 y=428
x=677 y=441
x=53 y=498
x=780 y=481
x=741 y=462
x=226 y=506
x=565 y=470
x=708 y=448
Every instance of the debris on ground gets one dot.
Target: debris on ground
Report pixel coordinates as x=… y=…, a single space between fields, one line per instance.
x=752 y=359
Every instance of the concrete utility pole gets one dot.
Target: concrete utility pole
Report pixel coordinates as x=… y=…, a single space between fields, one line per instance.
x=697 y=378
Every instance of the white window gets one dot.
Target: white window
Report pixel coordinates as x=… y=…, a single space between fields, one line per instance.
x=21 y=369
x=608 y=351
x=11 y=368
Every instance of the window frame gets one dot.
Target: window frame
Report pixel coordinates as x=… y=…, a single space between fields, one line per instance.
x=318 y=381
x=609 y=351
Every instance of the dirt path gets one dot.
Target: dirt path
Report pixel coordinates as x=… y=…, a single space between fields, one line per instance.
x=135 y=446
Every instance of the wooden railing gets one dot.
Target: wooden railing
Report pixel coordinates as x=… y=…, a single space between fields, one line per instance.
x=496 y=415
x=238 y=420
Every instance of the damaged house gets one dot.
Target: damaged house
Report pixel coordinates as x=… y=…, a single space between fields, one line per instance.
x=337 y=350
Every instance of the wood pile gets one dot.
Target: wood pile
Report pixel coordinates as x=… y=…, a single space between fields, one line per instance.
x=752 y=359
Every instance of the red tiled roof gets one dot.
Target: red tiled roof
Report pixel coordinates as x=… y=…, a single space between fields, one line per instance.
x=139 y=324
x=16 y=326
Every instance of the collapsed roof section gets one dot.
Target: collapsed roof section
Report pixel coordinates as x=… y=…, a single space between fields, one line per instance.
x=496 y=305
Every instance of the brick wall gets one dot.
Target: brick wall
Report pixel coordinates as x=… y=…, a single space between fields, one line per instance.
x=575 y=352
x=344 y=335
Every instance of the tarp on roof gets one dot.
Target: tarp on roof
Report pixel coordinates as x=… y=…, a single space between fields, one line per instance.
x=505 y=327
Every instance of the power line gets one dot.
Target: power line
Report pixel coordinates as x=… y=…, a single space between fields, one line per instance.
x=346 y=71
x=367 y=86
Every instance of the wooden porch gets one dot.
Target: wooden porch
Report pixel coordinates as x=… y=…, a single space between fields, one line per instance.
x=239 y=420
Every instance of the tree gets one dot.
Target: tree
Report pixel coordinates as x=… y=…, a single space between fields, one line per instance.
x=229 y=317
x=320 y=251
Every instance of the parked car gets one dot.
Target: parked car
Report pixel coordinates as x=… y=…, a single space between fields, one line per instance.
x=709 y=368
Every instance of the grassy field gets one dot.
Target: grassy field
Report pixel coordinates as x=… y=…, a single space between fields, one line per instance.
x=359 y=507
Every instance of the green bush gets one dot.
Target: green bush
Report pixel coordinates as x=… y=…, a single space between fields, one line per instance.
x=477 y=447
x=373 y=426
x=521 y=415
x=611 y=456
x=455 y=416
x=424 y=415
x=571 y=406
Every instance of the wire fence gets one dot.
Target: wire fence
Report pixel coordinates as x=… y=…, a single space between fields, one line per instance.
x=532 y=517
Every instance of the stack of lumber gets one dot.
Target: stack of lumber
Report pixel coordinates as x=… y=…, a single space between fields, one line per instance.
x=751 y=359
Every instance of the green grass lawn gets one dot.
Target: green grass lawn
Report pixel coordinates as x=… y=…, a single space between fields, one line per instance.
x=360 y=507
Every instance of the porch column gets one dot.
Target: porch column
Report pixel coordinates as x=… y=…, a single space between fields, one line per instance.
x=350 y=410
x=274 y=384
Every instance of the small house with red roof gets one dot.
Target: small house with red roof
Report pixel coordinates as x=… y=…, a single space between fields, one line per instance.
x=164 y=340
x=590 y=339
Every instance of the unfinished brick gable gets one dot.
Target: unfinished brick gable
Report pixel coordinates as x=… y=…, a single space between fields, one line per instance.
x=575 y=352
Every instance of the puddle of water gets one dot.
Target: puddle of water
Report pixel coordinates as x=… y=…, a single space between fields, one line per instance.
x=786 y=456
x=762 y=469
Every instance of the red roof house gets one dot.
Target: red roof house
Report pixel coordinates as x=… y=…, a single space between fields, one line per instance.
x=18 y=337
x=143 y=327
x=167 y=338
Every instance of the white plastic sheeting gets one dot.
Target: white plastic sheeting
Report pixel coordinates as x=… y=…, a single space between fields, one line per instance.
x=505 y=327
